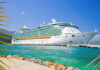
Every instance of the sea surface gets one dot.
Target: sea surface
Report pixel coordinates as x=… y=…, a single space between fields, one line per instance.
x=78 y=57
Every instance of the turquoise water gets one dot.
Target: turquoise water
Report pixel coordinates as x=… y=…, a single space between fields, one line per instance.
x=77 y=57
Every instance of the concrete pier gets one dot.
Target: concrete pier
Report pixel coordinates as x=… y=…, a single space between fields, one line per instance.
x=84 y=45
x=69 y=45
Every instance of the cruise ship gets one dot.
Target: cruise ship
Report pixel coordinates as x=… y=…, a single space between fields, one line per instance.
x=52 y=33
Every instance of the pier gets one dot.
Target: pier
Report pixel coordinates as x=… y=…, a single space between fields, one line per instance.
x=84 y=45
x=68 y=45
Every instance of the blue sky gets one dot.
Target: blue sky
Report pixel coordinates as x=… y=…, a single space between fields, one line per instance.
x=83 y=13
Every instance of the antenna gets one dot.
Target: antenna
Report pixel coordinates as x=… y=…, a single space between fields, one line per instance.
x=25 y=26
x=95 y=30
x=44 y=23
x=53 y=20
x=71 y=23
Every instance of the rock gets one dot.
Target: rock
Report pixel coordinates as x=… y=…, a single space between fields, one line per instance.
x=40 y=61
x=45 y=63
x=63 y=67
x=36 y=60
x=20 y=58
x=50 y=63
x=60 y=66
x=23 y=58
x=27 y=59
x=52 y=67
x=16 y=56
x=33 y=60
x=70 y=68
x=9 y=56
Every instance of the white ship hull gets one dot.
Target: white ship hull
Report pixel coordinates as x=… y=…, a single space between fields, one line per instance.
x=60 y=39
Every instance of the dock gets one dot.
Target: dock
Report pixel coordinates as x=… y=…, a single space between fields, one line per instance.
x=85 y=45
x=68 y=45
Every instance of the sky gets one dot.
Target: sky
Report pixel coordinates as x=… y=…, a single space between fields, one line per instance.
x=82 y=13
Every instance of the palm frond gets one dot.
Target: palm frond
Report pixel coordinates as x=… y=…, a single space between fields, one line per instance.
x=4 y=16
x=4 y=48
x=2 y=67
x=1 y=8
x=4 y=29
x=5 y=21
x=5 y=43
x=3 y=52
x=96 y=65
x=3 y=25
x=94 y=60
x=3 y=12
x=4 y=37
x=4 y=63
x=4 y=33
x=4 y=57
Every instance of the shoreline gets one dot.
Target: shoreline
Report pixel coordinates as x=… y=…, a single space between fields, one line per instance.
x=22 y=63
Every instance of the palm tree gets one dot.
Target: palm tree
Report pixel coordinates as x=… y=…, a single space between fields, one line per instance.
x=3 y=38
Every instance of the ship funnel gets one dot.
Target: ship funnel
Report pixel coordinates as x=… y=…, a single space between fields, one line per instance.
x=53 y=20
x=25 y=26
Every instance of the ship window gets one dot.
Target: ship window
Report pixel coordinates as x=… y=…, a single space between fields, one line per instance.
x=66 y=36
x=70 y=41
x=83 y=35
x=73 y=36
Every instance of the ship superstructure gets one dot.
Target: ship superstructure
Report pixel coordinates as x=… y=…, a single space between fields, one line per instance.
x=52 y=33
